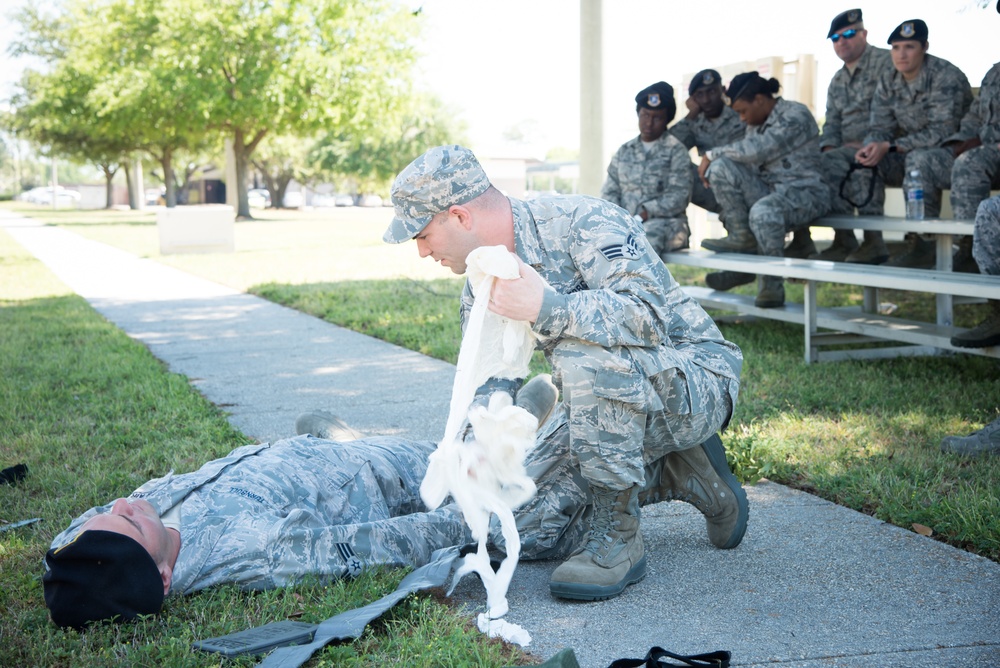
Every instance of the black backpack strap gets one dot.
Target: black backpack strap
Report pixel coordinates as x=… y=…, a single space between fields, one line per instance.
x=657 y=657
x=871 y=184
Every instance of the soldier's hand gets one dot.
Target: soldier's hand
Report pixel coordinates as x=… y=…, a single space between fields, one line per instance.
x=693 y=108
x=518 y=298
x=871 y=154
x=702 y=169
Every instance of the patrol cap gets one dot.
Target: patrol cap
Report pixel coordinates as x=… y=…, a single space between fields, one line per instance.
x=914 y=29
x=440 y=178
x=844 y=19
x=704 y=79
x=658 y=96
x=100 y=575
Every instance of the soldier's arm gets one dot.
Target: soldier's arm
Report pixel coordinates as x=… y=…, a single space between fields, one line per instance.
x=678 y=181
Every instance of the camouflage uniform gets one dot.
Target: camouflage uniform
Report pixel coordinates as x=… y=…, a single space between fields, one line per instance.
x=917 y=118
x=267 y=515
x=986 y=239
x=705 y=134
x=643 y=369
x=848 y=112
x=771 y=178
x=657 y=180
x=978 y=170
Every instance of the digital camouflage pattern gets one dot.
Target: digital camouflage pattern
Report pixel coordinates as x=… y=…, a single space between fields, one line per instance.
x=658 y=179
x=440 y=178
x=703 y=133
x=643 y=369
x=848 y=113
x=917 y=117
x=986 y=238
x=977 y=171
x=771 y=179
x=267 y=515
x=849 y=98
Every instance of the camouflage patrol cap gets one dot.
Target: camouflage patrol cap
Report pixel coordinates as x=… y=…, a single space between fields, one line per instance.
x=914 y=29
x=440 y=178
x=844 y=19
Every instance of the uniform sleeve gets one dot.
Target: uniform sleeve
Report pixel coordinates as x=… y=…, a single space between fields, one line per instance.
x=679 y=179
x=947 y=103
x=882 y=126
x=612 y=190
x=683 y=130
x=833 y=123
x=787 y=133
x=623 y=301
x=989 y=105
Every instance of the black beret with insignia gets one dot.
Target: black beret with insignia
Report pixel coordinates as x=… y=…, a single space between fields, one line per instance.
x=844 y=19
x=658 y=96
x=704 y=79
x=914 y=29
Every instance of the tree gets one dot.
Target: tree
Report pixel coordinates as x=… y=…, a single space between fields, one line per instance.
x=373 y=158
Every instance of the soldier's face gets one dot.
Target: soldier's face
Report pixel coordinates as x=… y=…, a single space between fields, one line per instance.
x=752 y=112
x=849 y=49
x=710 y=100
x=652 y=123
x=447 y=242
x=908 y=57
x=138 y=520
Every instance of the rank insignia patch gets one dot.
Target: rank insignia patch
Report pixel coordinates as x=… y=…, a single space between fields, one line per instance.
x=630 y=249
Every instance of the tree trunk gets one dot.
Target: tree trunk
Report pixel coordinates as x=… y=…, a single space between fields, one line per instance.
x=109 y=187
x=241 y=155
x=166 y=162
x=129 y=185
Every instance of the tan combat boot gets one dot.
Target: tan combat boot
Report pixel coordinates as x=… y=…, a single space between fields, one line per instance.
x=701 y=476
x=740 y=240
x=613 y=556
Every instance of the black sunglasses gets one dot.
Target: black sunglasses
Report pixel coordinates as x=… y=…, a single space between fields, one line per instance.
x=847 y=34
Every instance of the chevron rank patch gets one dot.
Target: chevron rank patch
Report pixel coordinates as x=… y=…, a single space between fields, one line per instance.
x=354 y=565
x=630 y=249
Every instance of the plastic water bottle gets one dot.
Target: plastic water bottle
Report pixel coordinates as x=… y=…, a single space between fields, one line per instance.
x=914 y=190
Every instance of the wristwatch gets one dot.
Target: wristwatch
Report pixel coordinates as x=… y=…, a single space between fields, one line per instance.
x=892 y=148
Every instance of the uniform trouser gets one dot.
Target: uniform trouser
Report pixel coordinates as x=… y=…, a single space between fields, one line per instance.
x=667 y=234
x=770 y=213
x=836 y=166
x=973 y=175
x=702 y=196
x=935 y=174
x=986 y=238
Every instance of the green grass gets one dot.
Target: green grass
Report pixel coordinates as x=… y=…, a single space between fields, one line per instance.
x=94 y=415
x=864 y=434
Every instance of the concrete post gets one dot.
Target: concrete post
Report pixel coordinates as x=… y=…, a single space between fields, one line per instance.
x=592 y=163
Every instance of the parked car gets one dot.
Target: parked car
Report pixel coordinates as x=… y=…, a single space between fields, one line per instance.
x=344 y=200
x=324 y=200
x=258 y=198
x=43 y=195
x=369 y=200
x=293 y=200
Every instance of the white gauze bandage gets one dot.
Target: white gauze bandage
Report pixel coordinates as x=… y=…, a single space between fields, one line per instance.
x=486 y=476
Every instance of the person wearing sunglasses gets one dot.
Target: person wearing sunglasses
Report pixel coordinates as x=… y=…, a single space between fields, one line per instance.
x=848 y=107
x=917 y=106
x=709 y=123
x=768 y=182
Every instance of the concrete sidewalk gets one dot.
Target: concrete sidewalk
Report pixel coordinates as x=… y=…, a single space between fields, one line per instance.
x=812 y=585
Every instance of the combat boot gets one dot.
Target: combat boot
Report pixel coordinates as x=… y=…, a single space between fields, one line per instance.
x=323 y=424
x=844 y=243
x=538 y=397
x=612 y=557
x=871 y=251
x=919 y=254
x=701 y=476
x=770 y=292
x=983 y=335
x=726 y=280
x=986 y=441
x=739 y=240
x=962 y=260
x=801 y=245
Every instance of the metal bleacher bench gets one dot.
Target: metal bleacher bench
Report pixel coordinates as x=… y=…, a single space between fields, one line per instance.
x=851 y=325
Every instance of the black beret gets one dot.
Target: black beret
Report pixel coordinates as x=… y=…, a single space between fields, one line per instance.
x=914 y=29
x=843 y=20
x=658 y=96
x=100 y=575
x=703 y=79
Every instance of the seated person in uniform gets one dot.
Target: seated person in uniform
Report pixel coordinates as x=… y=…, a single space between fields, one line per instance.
x=650 y=176
x=268 y=515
